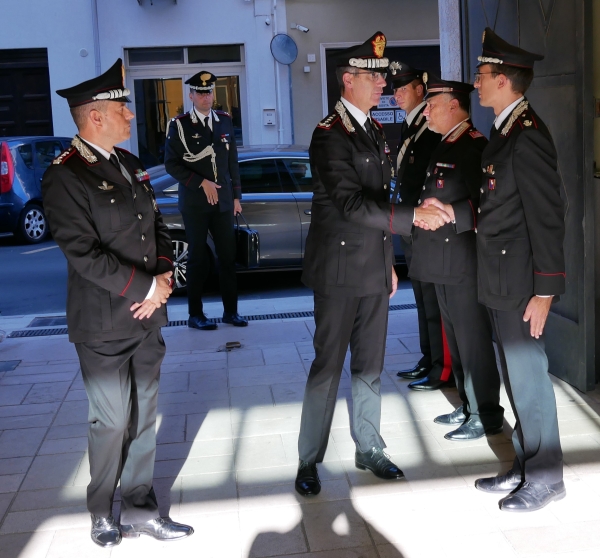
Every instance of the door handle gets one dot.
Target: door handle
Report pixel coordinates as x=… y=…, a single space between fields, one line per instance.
x=307 y=212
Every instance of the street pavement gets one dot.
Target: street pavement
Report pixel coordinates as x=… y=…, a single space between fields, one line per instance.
x=227 y=456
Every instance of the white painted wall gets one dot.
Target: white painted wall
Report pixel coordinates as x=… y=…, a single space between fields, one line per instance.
x=66 y=26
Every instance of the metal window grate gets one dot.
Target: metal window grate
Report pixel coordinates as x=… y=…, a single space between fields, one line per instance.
x=179 y=323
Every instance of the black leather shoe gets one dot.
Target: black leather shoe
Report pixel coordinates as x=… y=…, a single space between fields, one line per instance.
x=472 y=429
x=378 y=463
x=415 y=373
x=426 y=384
x=455 y=417
x=201 y=322
x=533 y=496
x=234 y=319
x=161 y=528
x=105 y=531
x=307 y=479
x=501 y=483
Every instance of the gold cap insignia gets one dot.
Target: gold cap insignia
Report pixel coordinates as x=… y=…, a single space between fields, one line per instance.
x=204 y=78
x=123 y=73
x=425 y=78
x=378 y=45
x=483 y=38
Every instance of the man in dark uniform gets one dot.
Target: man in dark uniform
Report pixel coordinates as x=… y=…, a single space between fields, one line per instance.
x=103 y=216
x=447 y=257
x=521 y=268
x=349 y=264
x=201 y=154
x=417 y=142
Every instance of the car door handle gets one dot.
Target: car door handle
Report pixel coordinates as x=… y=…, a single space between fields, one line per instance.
x=307 y=212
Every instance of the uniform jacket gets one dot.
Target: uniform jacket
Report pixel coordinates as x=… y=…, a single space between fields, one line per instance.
x=113 y=238
x=520 y=228
x=418 y=146
x=349 y=248
x=191 y=173
x=448 y=255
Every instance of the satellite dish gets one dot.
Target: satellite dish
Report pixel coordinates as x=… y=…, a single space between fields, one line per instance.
x=284 y=49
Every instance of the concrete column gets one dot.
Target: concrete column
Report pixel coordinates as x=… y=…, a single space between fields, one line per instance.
x=450 y=39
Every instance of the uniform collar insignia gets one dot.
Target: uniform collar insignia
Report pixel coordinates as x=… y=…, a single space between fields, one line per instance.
x=341 y=110
x=462 y=128
x=193 y=116
x=84 y=150
x=519 y=110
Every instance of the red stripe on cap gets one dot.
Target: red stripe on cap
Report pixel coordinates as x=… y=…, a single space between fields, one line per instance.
x=550 y=274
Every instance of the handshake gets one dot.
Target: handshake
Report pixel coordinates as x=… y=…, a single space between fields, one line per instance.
x=433 y=214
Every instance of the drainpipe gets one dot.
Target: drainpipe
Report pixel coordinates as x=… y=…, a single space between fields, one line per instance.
x=277 y=79
x=96 y=34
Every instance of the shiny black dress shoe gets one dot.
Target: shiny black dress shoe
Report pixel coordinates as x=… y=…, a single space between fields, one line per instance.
x=234 y=319
x=105 y=531
x=201 y=322
x=415 y=373
x=426 y=384
x=376 y=461
x=472 y=429
x=533 y=496
x=455 y=417
x=307 y=479
x=161 y=528
x=501 y=483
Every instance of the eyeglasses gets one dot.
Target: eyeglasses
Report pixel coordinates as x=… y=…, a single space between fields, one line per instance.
x=373 y=75
x=479 y=74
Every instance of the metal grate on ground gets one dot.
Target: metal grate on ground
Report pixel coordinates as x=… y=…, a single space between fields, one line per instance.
x=179 y=323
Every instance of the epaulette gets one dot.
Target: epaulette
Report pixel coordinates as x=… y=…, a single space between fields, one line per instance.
x=179 y=116
x=328 y=122
x=475 y=134
x=462 y=128
x=223 y=113
x=519 y=110
x=64 y=156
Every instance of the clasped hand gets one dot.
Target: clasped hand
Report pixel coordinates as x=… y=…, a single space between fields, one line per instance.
x=161 y=293
x=210 y=189
x=433 y=214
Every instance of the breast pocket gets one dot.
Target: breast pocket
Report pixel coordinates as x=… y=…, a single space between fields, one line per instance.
x=510 y=267
x=368 y=168
x=491 y=184
x=112 y=211
x=345 y=259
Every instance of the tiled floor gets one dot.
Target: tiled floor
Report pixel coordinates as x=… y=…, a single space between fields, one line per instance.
x=226 y=459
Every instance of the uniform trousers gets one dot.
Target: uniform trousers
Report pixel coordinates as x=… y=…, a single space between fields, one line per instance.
x=524 y=367
x=469 y=333
x=121 y=381
x=220 y=224
x=362 y=323
x=431 y=339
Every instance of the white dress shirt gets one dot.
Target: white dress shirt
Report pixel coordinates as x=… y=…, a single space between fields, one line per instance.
x=202 y=117
x=504 y=114
x=413 y=113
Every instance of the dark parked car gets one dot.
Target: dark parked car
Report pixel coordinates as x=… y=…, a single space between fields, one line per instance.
x=23 y=161
x=277 y=195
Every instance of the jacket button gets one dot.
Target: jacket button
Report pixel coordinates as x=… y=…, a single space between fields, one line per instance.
x=367 y=159
x=384 y=237
x=145 y=258
x=385 y=186
x=419 y=200
x=428 y=174
x=447 y=240
x=143 y=237
x=112 y=200
x=139 y=216
x=481 y=190
x=134 y=196
x=343 y=243
x=503 y=252
x=479 y=210
x=382 y=162
x=423 y=187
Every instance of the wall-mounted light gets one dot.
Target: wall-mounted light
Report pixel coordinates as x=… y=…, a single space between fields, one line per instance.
x=299 y=27
x=267 y=20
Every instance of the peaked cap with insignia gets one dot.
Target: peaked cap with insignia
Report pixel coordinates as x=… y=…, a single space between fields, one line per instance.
x=437 y=86
x=368 y=56
x=402 y=73
x=497 y=51
x=109 y=86
x=202 y=81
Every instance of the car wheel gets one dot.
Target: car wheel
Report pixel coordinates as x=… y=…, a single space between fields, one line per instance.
x=33 y=225
x=180 y=256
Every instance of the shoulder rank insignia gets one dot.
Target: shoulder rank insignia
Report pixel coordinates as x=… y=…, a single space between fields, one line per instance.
x=475 y=134
x=462 y=128
x=64 y=156
x=519 y=110
x=105 y=186
x=328 y=122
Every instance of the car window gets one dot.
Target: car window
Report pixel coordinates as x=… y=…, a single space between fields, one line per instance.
x=26 y=153
x=259 y=177
x=300 y=175
x=47 y=151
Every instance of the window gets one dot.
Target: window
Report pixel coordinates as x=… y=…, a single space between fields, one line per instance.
x=26 y=154
x=46 y=152
x=214 y=54
x=301 y=176
x=260 y=177
x=155 y=56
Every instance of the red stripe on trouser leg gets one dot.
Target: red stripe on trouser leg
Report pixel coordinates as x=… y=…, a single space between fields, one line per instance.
x=447 y=370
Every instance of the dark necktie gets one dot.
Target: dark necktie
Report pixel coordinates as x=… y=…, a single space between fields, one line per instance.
x=403 y=132
x=371 y=131
x=207 y=132
x=115 y=161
